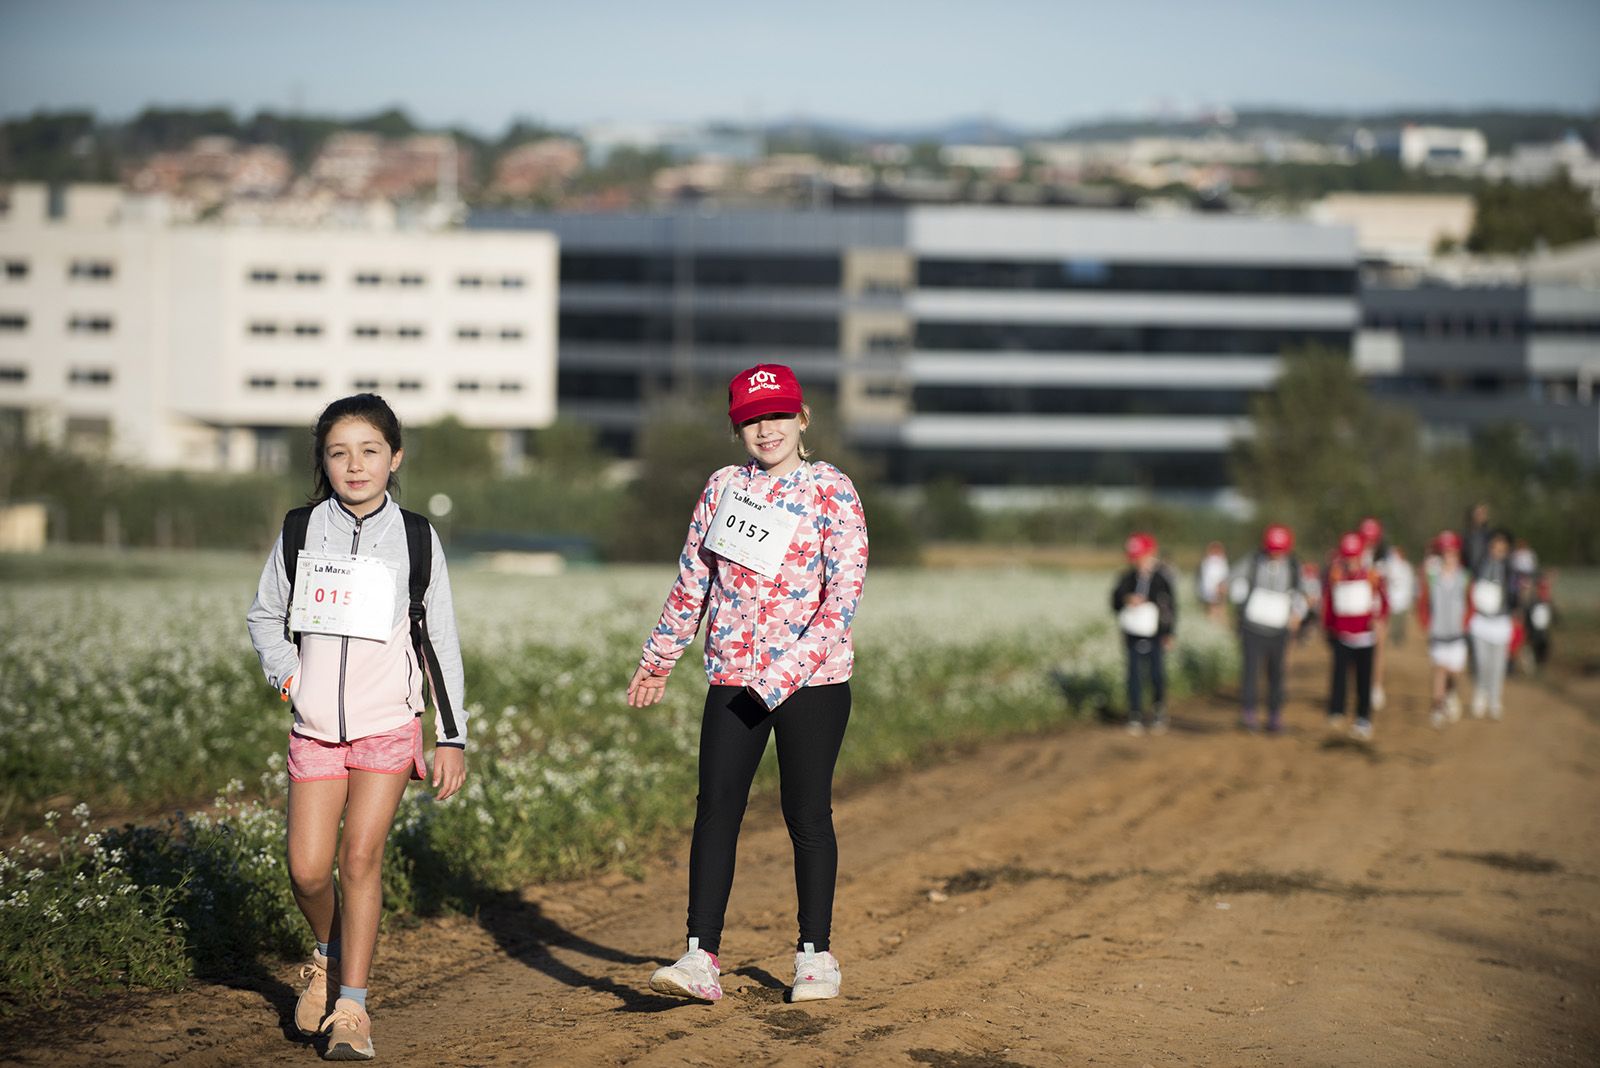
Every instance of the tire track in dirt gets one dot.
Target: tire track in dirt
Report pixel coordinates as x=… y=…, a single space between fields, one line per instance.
x=1084 y=897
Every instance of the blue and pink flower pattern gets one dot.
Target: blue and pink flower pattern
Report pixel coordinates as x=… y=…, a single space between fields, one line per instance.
x=776 y=634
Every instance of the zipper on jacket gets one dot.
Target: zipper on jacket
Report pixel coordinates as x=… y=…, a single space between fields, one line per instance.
x=344 y=642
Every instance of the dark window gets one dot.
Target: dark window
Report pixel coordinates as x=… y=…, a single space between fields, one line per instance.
x=468 y=333
x=410 y=333
x=469 y=281
x=16 y=270
x=263 y=329
x=90 y=376
x=365 y=330
x=263 y=382
x=308 y=383
x=1094 y=274
x=511 y=333
x=307 y=329
x=511 y=387
x=467 y=385
x=13 y=322
x=1051 y=337
x=598 y=385
x=719 y=271
x=13 y=373
x=264 y=276
x=89 y=324
x=308 y=278
x=512 y=281
x=888 y=343
x=365 y=384
x=409 y=385
x=368 y=278
x=616 y=269
x=706 y=330
x=412 y=280
x=93 y=270
x=1064 y=400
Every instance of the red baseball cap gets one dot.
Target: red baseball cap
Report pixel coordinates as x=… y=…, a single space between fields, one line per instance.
x=1371 y=530
x=1277 y=538
x=1448 y=539
x=765 y=389
x=1352 y=545
x=1140 y=545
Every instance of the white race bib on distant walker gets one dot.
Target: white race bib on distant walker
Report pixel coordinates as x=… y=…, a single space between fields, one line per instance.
x=751 y=531
x=1352 y=598
x=1540 y=617
x=1140 y=620
x=1268 y=608
x=335 y=593
x=1487 y=597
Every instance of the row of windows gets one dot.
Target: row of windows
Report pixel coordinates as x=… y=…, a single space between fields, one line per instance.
x=80 y=323
x=77 y=376
x=721 y=271
x=1055 y=337
x=1477 y=327
x=1064 y=400
x=271 y=276
x=1109 y=276
x=702 y=330
x=263 y=328
x=405 y=385
x=78 y=270
x=1000 y=467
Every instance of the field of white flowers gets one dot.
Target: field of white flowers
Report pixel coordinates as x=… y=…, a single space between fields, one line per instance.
x=133 y=689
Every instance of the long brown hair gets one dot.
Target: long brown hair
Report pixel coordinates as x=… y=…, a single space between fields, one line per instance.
x=367 y=407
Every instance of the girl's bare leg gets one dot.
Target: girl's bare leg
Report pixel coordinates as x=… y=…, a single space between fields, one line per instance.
x=374 y=796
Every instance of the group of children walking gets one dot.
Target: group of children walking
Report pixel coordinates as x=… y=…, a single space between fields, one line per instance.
x=1475 y=610
x=353 y=622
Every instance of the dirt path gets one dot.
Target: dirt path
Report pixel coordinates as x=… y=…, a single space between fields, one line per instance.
x=1202 y=898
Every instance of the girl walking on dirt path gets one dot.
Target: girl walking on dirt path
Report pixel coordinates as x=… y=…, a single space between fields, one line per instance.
x=1494 y=603
x=1375 y=557
x=1353 y=606
x=1266 y=588
x=1443 y=611
x=1146 y=605
x=774 y=561
x=363 y=584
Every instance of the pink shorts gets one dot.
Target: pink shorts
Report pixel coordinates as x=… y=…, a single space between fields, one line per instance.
x=392 y=752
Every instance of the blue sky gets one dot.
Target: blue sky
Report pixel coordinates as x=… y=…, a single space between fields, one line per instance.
x=1035 y=64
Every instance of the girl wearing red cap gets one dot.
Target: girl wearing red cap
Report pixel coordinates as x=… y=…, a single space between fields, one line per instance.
x=1444 y=610
x=1375 y=555
x=1266 y=588
x=1147 y=613
x=1353 y=606
x=775 y=560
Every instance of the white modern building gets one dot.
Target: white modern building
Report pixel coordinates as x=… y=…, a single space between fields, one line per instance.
x=214 y=347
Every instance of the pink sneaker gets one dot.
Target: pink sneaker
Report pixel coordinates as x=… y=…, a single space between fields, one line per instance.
x=694 y=976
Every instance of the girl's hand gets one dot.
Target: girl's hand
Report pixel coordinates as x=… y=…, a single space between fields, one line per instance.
x=646 y=689
x=449 y=770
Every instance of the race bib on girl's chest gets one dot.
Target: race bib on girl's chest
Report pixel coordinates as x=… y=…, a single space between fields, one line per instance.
x=1487 y=597
x=1268 y=608
x=335 y=593
x=1140 y=620
x=752 y=531
x=1352 y=598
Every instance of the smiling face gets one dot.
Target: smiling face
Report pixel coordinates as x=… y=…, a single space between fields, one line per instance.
x=359 y=461
x=774 y=440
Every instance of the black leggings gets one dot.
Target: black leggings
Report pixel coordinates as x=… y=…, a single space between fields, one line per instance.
x=733 y=735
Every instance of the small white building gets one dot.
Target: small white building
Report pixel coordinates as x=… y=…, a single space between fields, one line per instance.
x=1448 y=148
x=215 y=347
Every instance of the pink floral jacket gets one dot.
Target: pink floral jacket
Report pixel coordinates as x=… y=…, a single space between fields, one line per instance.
x=778 y=634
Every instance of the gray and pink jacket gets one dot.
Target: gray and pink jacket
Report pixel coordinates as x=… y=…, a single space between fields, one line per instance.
x=348 y=688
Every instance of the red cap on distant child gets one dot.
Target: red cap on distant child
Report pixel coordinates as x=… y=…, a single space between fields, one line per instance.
x=1371 y=530
x=1277 y=539
x=1352 y=545
x=1448 y=540
x=1140 y=545
x=765 y=389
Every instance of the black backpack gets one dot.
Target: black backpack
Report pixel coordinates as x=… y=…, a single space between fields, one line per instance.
x=419 y=547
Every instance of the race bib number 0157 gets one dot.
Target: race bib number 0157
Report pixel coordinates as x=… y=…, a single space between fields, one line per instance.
x=751 y=531
x=351 y=596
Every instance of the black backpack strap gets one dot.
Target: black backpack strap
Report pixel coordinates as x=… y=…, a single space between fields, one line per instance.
x=419 y=547
x=295 y=523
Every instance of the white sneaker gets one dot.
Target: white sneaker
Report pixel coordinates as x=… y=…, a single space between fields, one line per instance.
x=694 y=976
x=1136 y=728
x=1495 y=712
x=1437 y=719
x=816 y=975
x=1378 y=699
x=1480 y=705
x=1361 y=730
x=1452 y=707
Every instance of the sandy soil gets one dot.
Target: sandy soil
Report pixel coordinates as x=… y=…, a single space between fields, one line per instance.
x=1207 y=897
